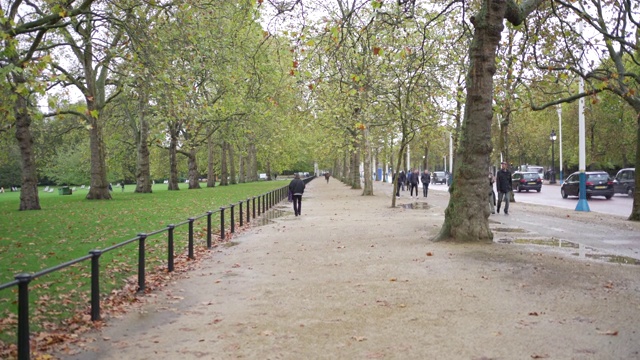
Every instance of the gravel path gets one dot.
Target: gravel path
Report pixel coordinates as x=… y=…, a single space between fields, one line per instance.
x=353 y=278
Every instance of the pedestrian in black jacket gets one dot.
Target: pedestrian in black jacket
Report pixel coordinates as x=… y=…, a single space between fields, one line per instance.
x=402 y=179
x=425 y=178
x=296 y=189
x=503 y=185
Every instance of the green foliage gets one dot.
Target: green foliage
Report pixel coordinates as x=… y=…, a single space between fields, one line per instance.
x=71 y=165
x=10 y=174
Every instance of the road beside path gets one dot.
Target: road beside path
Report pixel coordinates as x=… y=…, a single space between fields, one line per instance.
x=353 y=278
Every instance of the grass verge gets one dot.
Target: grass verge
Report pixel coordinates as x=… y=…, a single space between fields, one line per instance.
x=68 y=227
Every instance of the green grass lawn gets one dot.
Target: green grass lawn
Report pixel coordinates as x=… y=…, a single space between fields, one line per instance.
x=69 y=226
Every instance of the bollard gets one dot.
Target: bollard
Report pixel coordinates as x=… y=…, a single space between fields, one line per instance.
x=248 y=212
x=233 y=222
x=259 y=205
x=141 y=262
x=170 y=250
x=240 y=213
x=221 y=223
x=23 y=316
x=95 y=284
x=209 y=229
x=254 y=207
x=191 y=256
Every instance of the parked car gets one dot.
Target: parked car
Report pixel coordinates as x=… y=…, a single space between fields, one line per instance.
x=439 y=177
x=625 y=181
x=533 y=168
x=526 y=181
x=598 y=183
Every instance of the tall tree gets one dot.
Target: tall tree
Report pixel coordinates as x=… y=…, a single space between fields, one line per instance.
x=23 y=57
x=466 y=216
x=94 y=39
x=606 y=55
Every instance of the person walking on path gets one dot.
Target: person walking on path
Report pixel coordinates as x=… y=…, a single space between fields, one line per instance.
x=503 y=185
x=296 y=188
x=492 y=195
x=426 y=179
x=327 y=176
x=413 y=183
x=402 y=178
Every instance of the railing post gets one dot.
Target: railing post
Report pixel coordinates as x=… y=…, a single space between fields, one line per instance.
x=95 y=284
x=254 y=207
x=222 y=223
x=209 y=229
x=233 y=223
x=23 y=316
x=170 y=249
x=264 y=203
x=141 y=261
x=191 y=220
x=240 y=213
x=259 y=205
x=248 y=212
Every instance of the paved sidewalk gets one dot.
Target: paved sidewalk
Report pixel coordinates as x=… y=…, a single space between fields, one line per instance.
x=353 y=278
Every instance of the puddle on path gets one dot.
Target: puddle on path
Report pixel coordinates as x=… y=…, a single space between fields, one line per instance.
x=416 y=206
x=268 y=216
x=584 y=252
x=510 y=230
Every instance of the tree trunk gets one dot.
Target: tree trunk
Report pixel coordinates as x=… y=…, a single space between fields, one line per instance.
x=143 y=170
x=224 y=174
x=269 y=170
x=194 y=175
x=173 y=161
x=368 y=182
x=211 y=177
x=466 y=216
x=355 y=164
x=99 y=184
x=253 y=172
x=241 y=170
x=232 y=165
x=396 y=172
x=29 y=199
x=346 y=165
x=425 y=160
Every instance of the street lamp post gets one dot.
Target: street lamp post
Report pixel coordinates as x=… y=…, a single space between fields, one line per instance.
x=552 y=173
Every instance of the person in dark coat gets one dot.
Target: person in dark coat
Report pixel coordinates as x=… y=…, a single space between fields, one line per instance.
x=402 y=178
x=426 y=179
x=503 y=186
x=296 y=188
x=413 y=182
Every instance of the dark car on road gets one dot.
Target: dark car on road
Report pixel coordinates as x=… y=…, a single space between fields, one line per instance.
x=598 y=183
x=439 y=177
x=625 y=181
x=526 y=181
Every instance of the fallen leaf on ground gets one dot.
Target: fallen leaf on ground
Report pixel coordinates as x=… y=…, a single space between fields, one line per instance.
x=609 y=332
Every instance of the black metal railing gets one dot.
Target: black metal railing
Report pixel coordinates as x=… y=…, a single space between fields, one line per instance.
x=23 y=280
